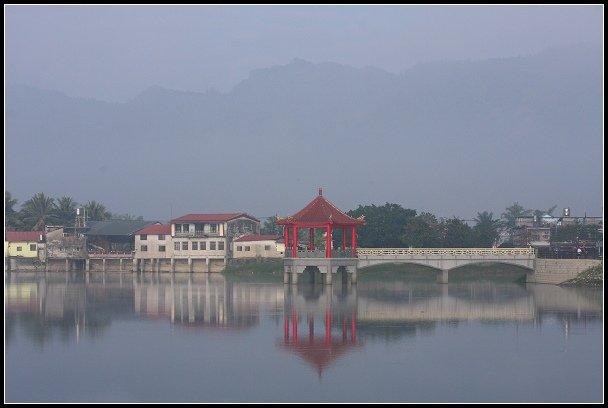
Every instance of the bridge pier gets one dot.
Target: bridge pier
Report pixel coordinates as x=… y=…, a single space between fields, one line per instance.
x=322 y=269
x=442 y=276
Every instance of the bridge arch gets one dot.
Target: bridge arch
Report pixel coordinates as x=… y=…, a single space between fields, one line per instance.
x=446 y=259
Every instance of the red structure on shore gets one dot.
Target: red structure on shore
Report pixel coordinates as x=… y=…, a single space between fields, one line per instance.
x=320 y=351
x=319 y=214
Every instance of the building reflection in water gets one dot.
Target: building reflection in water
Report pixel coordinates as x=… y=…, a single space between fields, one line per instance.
x=319 y=323
x=203 y=300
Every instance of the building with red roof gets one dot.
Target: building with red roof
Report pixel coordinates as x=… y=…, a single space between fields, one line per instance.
x=153 y=242
x=23 y=244
x=192 y=242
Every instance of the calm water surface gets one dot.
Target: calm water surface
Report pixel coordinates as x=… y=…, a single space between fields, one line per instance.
x=123 y=337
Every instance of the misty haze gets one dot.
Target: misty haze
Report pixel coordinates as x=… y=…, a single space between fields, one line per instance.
x=159 y=248
x=453 y=138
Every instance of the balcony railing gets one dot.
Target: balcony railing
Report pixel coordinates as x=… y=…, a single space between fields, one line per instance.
x=110 y=254
x=195 y=234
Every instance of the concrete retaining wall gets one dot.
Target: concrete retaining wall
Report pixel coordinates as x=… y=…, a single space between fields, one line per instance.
x=557 y=271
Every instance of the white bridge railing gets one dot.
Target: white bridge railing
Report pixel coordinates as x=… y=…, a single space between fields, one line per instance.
x=445 y=251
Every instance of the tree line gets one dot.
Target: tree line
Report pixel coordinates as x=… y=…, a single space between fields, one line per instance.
x=392 y=226
x=386 y=226
x=42 y=210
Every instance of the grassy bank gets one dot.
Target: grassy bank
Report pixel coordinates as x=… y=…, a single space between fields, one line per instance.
x=589 y=277
x=396 y=271
x=490 y=271
x=271 y=271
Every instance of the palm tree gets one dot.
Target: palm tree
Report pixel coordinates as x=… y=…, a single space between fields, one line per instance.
x=38 y=211
x=65 y=209
x=511 y=215
x=487 y=229
x=270 y=226
x=11 y=218
x=97 y=211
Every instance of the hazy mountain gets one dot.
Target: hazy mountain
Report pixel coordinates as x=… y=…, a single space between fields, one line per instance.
x=450 y=137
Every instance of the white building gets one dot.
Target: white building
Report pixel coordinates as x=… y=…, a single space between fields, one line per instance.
x=205 y=240
x=258 y=246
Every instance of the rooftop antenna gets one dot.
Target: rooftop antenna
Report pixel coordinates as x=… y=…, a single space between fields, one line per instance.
x=81 y=218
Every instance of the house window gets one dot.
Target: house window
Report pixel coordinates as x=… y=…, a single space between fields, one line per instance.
x=203 y=245
x=176 y=246
x=247 y=248
x=212 y=246
x=18 y=249
x=162 y=248
x=266 y=247
x=220 y=245
x=32 y=247
x=143 y=237
x=144 y=248
x=185 y=245
x=239 y=248
x=178 y=227
x=195 y=246
x=161 y=237
x=213 y=227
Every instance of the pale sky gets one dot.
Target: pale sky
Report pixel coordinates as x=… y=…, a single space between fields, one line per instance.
x=112 y=53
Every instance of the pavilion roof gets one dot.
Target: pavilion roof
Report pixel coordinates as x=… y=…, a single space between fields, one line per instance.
x=318 y=353
x=320 y=211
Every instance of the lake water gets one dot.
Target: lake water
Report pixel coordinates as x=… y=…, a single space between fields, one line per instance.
x=123 y=337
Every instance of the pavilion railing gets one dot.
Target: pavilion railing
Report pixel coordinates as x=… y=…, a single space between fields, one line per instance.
x=320 y=253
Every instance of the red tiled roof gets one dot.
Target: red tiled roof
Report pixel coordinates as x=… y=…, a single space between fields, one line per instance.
x=211 y=217
x=248 y=238
x=157 y=229
x=320 y=211
x=24 y=236
x=318 y=353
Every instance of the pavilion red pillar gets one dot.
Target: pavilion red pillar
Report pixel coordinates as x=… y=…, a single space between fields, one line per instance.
x=295 y=241
x=328 y=242
x=311 y=239
x=294 y=326
x=286 y=235
x=353 y=327
x=311 y=329
x=354 y=239
x=328 y=327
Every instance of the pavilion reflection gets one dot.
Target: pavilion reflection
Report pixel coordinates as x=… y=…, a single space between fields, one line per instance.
x=319 y=323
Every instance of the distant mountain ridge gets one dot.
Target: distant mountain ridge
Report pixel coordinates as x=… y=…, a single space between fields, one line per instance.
x=420 y=138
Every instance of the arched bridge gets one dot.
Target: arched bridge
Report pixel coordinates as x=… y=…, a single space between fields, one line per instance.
x=444 y=259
